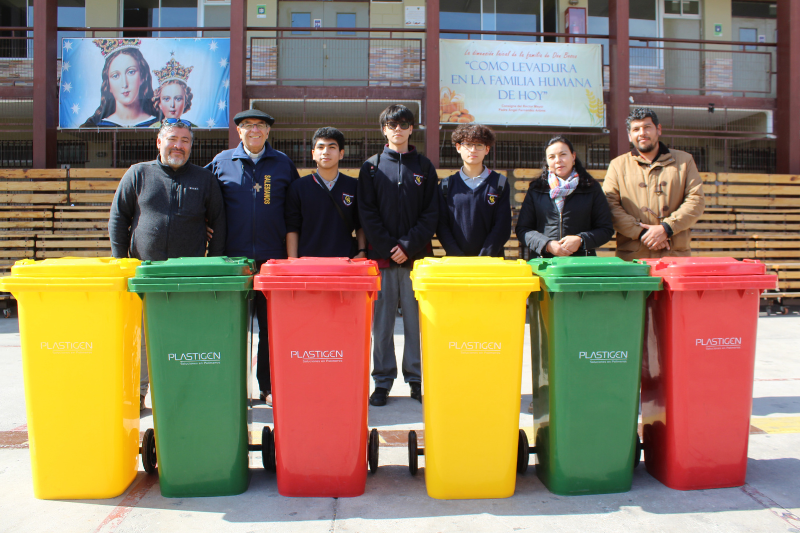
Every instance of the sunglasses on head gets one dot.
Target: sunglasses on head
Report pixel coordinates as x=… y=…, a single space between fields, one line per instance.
x=393 y=125
x=176 y=122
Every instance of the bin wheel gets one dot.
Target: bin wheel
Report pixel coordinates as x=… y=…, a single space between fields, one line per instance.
x=372 y=452
x=268 y=449
x=523 y=452
x=637 y=454
x=412 y=452
x=149 y=451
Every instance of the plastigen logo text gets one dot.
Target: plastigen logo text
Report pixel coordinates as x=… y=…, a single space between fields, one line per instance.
x=720 y=343
x=196 y=358
x=318 y=356
x=475 y=346
x=618 y=356
x=67 y=346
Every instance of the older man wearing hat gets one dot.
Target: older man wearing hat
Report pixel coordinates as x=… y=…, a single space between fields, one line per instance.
x=255 y=179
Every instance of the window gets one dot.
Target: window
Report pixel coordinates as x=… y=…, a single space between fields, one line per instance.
x=677 y=8
x=345 y=20
x=754 y=10
x=643 y=22
x=490 y=15
x=301 y=20
x=748 y=35
x=71 y=13
x=460 y=15
x=159 y=13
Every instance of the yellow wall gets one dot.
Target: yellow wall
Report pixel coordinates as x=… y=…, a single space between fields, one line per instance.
x=717 y=12
x=102 y=13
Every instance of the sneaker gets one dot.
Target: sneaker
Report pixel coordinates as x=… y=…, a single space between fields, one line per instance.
x=266 y=397
x=416 y=391
x=141 y=403
x=378 y=398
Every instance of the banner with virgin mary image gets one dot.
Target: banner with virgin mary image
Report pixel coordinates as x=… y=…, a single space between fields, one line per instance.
x=136 y=82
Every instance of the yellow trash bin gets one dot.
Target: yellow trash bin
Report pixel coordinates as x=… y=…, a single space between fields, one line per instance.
x=472 y=321
x=81 y=333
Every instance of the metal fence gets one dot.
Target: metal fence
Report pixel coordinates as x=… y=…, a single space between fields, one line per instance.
x=16 y=56
x=685 y=67
x=335 y=60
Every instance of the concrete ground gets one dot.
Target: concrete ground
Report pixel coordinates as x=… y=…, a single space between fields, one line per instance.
x=395 y=501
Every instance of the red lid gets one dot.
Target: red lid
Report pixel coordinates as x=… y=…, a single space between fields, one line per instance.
x=705 y=266
x=320 y=266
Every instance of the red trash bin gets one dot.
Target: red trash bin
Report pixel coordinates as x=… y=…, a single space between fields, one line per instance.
x=697 y=369
x=320 y=318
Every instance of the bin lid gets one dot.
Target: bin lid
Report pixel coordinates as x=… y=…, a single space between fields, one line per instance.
x=320 y=266
x=75 y=267
x=609 y=267
x=319 y=274
x=472 y=274
x=469 y=267
x=704 y=266
x=196 y=267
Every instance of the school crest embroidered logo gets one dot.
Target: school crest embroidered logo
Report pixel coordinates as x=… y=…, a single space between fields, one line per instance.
x=491 y=198
x=418 y=179
x=347 y=199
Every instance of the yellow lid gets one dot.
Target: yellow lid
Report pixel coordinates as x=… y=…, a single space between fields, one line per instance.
x=75 y=267
x=459 y=267
x=473 y=274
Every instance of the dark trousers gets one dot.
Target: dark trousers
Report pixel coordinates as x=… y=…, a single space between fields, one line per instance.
x=262 y=368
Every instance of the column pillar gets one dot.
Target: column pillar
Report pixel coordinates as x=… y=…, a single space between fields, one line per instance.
x=787 y=119
x=431 y=104
x=45 y=86
x=238 y=66
x=619 y=87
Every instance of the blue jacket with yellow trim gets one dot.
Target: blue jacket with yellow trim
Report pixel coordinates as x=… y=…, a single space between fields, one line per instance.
x=255 y=195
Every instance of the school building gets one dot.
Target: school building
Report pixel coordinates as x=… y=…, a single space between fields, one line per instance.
x=723 y=75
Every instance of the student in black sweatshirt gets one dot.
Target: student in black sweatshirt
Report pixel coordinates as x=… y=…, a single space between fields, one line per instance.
x=322 y=208
x=475 y=202
x=398 y=209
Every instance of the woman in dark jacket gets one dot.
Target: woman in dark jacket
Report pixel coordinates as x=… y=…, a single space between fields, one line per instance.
x=565 y=211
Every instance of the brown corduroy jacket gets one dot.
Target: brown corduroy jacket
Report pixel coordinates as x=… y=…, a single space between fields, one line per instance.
x=668 y=190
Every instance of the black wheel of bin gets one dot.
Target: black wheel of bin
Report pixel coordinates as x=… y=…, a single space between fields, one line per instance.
x=412 y=452
x=372 y=452
x=149 y=451
x=268 y=449
x=523 y=452
x=637 y=454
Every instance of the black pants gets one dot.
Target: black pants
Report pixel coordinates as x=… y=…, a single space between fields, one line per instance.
x=262 y=368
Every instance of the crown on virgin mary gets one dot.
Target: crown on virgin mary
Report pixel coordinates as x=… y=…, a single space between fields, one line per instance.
x=109 y=46
x=173 y=71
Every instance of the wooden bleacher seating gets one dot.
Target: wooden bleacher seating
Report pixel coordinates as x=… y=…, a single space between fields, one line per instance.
x=64 y=212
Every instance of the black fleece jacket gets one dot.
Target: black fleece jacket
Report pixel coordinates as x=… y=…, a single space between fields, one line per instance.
x=398 y=206
x=159 y=213
x=586 y=214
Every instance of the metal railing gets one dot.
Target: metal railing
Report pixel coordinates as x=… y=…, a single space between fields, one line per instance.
x=335 y=60
x=675 y=66
x=16 y=55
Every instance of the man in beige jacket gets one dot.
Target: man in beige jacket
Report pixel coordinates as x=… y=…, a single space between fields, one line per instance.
x=655 y=193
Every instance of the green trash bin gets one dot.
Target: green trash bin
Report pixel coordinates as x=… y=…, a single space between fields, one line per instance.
x=587 y=325
x=196 y=330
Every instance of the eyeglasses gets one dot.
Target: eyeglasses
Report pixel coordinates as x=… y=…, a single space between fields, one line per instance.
x=478 y=147
x=257 y=125
x=393 y=125
x=176 y=123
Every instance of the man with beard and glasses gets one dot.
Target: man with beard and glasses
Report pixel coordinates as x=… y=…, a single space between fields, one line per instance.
x=655 y=193
x=161 y=208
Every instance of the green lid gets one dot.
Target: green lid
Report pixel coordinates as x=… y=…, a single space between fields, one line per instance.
x=191 y=284
x=196 y=267
x=593 y=274
x=613 y=267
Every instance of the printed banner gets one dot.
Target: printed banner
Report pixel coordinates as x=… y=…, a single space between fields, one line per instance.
x=135 y=83
x=519 y=83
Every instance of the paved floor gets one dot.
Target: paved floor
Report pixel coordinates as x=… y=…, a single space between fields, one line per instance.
x=395 y=501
